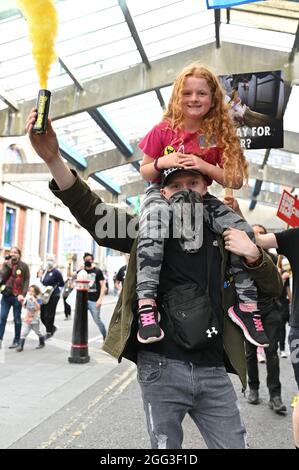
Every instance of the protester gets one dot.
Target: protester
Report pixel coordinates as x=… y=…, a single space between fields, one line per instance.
x=166 y=371
x=52 y=277
x=31 y=320
x=120 y=277
x=196 y=133
x=15 y=274
x=67 y=289
x=286 y=243
x=272 y=324
x=96 y=291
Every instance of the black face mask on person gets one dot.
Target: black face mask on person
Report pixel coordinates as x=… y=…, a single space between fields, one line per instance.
x=87 y=264
x=187 y=219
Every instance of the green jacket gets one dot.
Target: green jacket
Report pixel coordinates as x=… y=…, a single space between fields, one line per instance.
x=91 y=212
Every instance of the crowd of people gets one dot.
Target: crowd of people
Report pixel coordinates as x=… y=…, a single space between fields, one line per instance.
x=195 y=257
x=34 y=305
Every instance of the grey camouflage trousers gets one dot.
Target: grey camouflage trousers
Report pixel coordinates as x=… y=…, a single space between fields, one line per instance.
x=155 y=217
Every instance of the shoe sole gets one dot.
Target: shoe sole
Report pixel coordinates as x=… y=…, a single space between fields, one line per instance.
x=255 y=402
x=278 y=411
x=238 y=322
x=151 y=339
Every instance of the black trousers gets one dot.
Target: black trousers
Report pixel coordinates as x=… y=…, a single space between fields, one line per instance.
x=48 y=312
x=67 y=309
x=272 y=325
x=285 y=316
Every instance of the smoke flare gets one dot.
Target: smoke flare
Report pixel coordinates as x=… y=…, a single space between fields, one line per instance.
x=43 y=25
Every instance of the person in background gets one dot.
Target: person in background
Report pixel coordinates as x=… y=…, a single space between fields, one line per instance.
x=284 y=302
x=96 y=291
x=106 y=276
x=286 y=243
x=272 y=323
x=67 y=289
x=115 y=284
x=121 y=274
x=15 y=275
x=31 y=320
x=51 y=277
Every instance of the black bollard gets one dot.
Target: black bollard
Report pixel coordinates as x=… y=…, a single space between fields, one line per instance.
x=79 y=349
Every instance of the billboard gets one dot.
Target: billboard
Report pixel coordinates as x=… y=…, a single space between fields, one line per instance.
x=256 y=104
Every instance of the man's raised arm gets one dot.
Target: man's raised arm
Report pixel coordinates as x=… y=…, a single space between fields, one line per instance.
x=109 y=226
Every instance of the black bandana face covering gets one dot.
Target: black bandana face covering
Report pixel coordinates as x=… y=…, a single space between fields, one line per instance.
x=187 y=219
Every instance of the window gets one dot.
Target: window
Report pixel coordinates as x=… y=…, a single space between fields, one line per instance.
x=13 y=154
x=9 y=227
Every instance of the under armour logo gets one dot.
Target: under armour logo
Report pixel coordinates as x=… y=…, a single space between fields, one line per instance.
x=211 y=332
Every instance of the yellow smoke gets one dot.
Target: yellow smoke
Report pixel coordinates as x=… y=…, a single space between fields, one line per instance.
x=43 y=24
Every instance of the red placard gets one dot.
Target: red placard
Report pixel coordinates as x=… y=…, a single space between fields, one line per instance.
x=288 y=209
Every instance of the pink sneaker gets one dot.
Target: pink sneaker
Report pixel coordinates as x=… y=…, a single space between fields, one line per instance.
x=251 y=325
x=149 y=330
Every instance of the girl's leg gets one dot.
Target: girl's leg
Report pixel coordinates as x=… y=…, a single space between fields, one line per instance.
x=245 y=313
x=153 y=229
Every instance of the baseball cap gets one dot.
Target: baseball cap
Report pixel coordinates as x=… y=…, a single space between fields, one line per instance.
x=171 y=171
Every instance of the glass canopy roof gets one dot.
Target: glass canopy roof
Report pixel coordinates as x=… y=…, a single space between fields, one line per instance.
x=95 y=39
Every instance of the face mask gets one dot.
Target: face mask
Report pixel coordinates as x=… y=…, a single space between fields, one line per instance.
x=87 y=264
x=187 y=219
x=50 y=264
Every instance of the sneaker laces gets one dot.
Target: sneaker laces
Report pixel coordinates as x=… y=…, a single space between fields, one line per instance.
x=258 y=323
x=147 y=319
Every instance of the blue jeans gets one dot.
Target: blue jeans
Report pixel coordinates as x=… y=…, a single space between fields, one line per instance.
x=172 y=388
x=293 y=340
x=6 y=303
x=96 y=315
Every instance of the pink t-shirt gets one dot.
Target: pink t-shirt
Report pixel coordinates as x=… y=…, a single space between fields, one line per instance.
x=156 y=141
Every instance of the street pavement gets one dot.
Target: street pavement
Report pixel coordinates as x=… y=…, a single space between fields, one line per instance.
x=48 y=403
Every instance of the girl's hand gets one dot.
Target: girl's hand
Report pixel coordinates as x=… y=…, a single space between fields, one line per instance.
x=193 y=162
x=171 y=160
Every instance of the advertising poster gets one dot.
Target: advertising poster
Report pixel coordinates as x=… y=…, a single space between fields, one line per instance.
x=257 y=103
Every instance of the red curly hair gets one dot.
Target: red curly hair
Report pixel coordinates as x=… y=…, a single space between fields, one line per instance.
x=217 y=124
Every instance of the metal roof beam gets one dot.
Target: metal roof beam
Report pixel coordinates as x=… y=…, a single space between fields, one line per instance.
x=217 y=20
x=274 y=175
x=266 y=197
x=107 y=183
x=103 y=121
x=291 y=142
x=295 y=47
x=7 y=99
x=71 y=73
x=72 y=155
x=131 y=25
x=110 y=159
x=12 y=172
x=113 y=159
x=258 y=183
x=136 y=80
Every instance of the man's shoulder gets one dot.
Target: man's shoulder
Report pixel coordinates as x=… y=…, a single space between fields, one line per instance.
x=98 y=271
